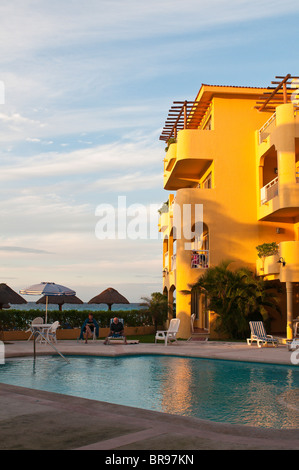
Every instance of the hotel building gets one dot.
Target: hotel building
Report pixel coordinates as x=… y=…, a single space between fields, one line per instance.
x=234 y=151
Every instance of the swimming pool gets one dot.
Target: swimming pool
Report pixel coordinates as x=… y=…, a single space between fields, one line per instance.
x=222 y=391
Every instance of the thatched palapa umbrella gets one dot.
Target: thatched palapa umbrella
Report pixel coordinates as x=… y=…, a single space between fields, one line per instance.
x=109 y=296
x=9 y=296
x=60 y=300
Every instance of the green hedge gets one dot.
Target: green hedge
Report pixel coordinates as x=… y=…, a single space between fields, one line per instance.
x=21 y=319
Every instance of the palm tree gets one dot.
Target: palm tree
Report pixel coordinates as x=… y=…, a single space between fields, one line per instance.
x=236 y=297
x=157 y=307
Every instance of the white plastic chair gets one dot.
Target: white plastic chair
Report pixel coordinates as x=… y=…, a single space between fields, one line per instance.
x=36 y=321
x=51 y=333
x=170 y=334
x=259 y=335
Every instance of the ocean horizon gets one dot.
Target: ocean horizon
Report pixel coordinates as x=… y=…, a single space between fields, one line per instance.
x=79 y=307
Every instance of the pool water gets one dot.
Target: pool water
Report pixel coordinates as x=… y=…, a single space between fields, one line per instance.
x=223 y=391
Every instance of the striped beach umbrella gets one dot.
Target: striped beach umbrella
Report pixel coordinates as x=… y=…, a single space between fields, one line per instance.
x=47 y=289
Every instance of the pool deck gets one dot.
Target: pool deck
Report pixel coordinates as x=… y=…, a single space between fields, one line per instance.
x=38 y=420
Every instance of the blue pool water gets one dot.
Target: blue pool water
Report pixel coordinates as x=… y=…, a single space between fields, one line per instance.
x=224 y=391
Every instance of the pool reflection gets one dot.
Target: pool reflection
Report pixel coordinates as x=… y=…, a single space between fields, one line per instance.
x=224 y=391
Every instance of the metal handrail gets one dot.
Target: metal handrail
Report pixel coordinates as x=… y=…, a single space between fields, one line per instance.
x=39 y=333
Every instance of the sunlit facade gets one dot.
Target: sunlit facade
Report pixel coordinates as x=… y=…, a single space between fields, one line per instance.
x=236 y=153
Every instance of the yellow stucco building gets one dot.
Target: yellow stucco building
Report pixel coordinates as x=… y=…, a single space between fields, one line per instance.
x=234 y=152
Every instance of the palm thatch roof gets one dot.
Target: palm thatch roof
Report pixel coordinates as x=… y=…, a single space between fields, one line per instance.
x=109 y=297
x=60 y=300
x=9 y=296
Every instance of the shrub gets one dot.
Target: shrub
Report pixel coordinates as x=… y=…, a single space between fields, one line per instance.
x=21 y=319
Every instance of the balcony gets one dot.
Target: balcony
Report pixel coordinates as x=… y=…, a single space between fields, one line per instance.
x=163 y=222
x=268 y=266
x=267 y=129
x=170 y=157
x=173 y=263
x=279 y=202
x=283 y=266
x=166 y=260
x=200 y=259
x=269 y=191
x=187 y=160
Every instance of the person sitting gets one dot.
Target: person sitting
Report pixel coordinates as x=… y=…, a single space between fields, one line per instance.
x=116 y=330
x=89 y=326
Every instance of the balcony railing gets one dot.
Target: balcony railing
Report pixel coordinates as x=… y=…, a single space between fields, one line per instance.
x=173 y=262
x=166 y=260
x=269 y=191
x=267 y=128
x=200 y=259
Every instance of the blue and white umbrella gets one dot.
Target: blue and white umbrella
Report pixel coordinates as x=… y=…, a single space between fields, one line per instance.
x=47 y=289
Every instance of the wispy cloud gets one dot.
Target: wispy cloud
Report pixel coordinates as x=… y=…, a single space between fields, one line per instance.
x=95 y=160
x=87 y=88
x=21 y=249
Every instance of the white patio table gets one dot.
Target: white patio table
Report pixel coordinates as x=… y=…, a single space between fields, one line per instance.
x=42 y=328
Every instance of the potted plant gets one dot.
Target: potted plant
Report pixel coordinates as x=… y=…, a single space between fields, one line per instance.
x=267 y=249
x=172 y=140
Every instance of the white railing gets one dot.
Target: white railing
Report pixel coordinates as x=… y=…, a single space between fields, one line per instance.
x=166 y=260
x=173 y=262
x=267 y=128
x=200 y=259
x=269 y=191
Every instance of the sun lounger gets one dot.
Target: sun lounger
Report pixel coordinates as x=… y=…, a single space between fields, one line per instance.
x=259 y=335
x=293 y=344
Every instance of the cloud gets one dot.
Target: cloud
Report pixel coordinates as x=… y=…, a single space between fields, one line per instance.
x=92 y=160
x=21 y=249
x=76 y=23
x=87 y=88
x=29 y=139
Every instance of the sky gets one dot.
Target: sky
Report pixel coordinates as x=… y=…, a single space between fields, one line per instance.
x=87 y=89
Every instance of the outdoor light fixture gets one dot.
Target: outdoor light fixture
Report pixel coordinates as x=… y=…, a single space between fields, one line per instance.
x=282 y=261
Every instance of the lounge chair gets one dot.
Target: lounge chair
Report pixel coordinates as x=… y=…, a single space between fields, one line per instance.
x=169 y=335
x=116 y=337
x=259 y=335
x=294 y=344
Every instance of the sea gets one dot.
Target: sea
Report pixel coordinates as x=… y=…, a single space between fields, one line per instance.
x=79 y=307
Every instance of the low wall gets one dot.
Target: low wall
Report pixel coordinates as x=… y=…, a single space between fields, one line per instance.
x=75 y=333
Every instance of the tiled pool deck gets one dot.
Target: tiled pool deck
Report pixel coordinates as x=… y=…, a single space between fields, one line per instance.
x=31 y=419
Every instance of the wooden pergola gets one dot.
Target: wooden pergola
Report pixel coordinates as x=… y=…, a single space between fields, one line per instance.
x=183 y=115
x=278 y=94
x=189 y=114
